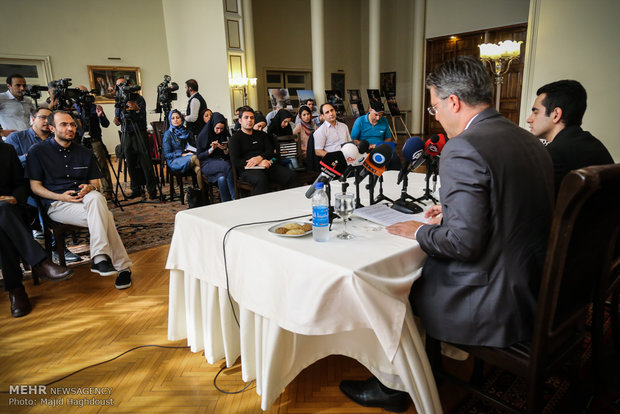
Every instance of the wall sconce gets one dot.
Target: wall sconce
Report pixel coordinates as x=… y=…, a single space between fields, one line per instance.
x=242 y=83
x=499 y=57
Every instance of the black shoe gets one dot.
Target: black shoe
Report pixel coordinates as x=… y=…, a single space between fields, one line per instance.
x=153 y=195
x=135 y=194
x=39 y=235
x=70 y=257
x=123 y=280
x=104 y=268
x=371 y=393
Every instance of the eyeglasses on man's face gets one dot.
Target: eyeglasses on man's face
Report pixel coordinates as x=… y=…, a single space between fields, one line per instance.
x=432 y=109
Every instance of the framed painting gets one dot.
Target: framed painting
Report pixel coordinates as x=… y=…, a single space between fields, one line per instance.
x=387 y=81
x=103 y=80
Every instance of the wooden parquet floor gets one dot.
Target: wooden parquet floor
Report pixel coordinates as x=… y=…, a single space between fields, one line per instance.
x=86 y=320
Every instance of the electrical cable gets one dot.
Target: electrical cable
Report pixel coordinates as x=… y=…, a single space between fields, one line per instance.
x=106 y=361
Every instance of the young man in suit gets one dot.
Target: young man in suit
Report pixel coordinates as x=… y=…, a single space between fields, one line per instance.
x=486 y=241
x=556 y=117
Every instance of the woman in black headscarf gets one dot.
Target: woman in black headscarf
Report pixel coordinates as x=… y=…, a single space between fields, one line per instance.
x=280 y=124
x=212 y=151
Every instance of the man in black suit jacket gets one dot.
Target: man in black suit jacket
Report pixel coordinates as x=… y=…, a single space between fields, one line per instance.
x=556 y=117
x=15 y=238
x=486 y=241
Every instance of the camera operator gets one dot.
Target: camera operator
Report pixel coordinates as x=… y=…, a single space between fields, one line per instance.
x=93 y=118
x=196 y=106
x=132 y=117
x=15 y=108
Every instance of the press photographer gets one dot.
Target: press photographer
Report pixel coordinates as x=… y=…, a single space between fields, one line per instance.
x=92 y=119
x=130 y=115
x=165 y=96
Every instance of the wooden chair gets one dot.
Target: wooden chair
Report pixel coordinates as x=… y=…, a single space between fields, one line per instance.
x=578 y=264
x=158 y=131
x=241 y=185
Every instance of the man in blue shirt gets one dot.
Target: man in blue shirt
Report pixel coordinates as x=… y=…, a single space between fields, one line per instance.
x=66 y=177
x=374 y=128
x=23 y=140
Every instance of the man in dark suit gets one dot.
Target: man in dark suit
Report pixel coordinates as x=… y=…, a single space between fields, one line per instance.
x=486 y=241
x=556 y=117
x=15 y=238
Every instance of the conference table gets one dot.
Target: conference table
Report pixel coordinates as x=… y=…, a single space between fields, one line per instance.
x=282 y=303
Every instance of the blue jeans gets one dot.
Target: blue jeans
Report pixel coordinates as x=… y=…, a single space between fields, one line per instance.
x=226 y=185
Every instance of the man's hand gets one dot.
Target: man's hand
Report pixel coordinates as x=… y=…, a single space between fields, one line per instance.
x=6 y=132
x=99 y=110
x=265 y=163
x=8 y=199
x=434 y=214
x=254 y=161
x=133 y=106
x=85 y=189
x=406 y=229
x=70 y=196
x=116 y=121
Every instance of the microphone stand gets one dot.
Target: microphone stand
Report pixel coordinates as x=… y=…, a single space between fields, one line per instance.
x=406 y=203
x=381 y=196
x=330 y=208
x=430 y=170
x=358 y=203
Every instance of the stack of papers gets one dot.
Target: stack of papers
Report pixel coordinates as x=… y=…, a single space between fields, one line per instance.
x=386 y=216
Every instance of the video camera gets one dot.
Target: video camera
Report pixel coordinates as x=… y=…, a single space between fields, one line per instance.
x=125 y=93
x=34 y=91
x=66 y=97
x=165 y=95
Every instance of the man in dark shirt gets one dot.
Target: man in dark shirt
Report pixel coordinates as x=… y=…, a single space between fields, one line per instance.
x=93 y=118
x=66 y=177
x=196 y=106
x=252 y=153
x=556 y=117
x=132 y=120
x=15 y=238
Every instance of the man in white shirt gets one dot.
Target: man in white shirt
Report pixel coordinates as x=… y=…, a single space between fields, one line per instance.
x=331 y=134
x=15 y=108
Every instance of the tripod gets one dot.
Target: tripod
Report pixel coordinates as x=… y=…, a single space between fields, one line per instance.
x=142 y=159
x=381 y=196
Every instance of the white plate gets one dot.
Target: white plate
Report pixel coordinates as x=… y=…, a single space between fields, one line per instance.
x=272 y=229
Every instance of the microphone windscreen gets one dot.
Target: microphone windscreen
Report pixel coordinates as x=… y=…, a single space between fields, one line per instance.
x=378 y=158
x=351 y=154
x=363 y=146
x=435 y=144
x=413 y=145
x=333 y=164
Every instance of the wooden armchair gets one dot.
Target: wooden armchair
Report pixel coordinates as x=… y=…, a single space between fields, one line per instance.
x=578 y=266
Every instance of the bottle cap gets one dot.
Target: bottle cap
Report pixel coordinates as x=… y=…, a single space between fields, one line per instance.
x=319 y=185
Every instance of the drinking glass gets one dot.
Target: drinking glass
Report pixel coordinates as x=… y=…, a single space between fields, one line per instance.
x=343 y=206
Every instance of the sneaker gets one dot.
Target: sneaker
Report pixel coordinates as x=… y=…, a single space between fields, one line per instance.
x=104 y=268
x=123 y=280
x=39 y=235
x=70 y=257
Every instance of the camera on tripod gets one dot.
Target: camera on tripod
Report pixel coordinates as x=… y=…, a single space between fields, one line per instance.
x=66 y=97
x=125 y=93
x=165 y=95
x=34 y=91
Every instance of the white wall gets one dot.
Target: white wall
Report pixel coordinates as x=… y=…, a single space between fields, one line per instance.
x=197 y=49
x=448 y=17
x=75 y=36
x=578 y=40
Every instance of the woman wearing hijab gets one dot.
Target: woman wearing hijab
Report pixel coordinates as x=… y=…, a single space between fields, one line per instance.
x=212 y=151
x=178 y=158
x=305 y=127
x=280 y=124
x=260 y=122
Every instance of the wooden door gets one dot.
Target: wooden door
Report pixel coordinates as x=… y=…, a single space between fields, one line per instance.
x=440 y=49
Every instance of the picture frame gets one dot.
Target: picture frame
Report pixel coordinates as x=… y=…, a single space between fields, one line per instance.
x=103 y=80
x=387 y=82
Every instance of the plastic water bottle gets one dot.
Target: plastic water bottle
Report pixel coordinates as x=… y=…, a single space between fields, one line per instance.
x=320 y=214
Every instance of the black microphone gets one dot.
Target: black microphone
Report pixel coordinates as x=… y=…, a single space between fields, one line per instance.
x=363 y=146
x=332 y=165
x=376 y=161
x=412 y=153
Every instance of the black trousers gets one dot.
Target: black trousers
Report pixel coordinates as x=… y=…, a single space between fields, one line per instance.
x=16 y=241
x=277 y=174
x=139 y=163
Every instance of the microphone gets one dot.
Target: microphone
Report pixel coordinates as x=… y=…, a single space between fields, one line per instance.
x=435 y=144
x=412 y=153
x=352 y=154
x=332 y=165
x=376 y=161
x=363 y=146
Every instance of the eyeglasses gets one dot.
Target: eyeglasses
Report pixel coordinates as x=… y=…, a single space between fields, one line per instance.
x=432 y=109
x=41 y=116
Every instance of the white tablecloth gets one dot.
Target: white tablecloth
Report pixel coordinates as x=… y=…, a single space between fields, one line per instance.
x=298 y=300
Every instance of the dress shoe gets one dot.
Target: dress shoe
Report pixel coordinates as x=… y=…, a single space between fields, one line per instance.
x=70 y=257
x=51 y=271
x=20 y=305
x=153 y=195
x=371 y=393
